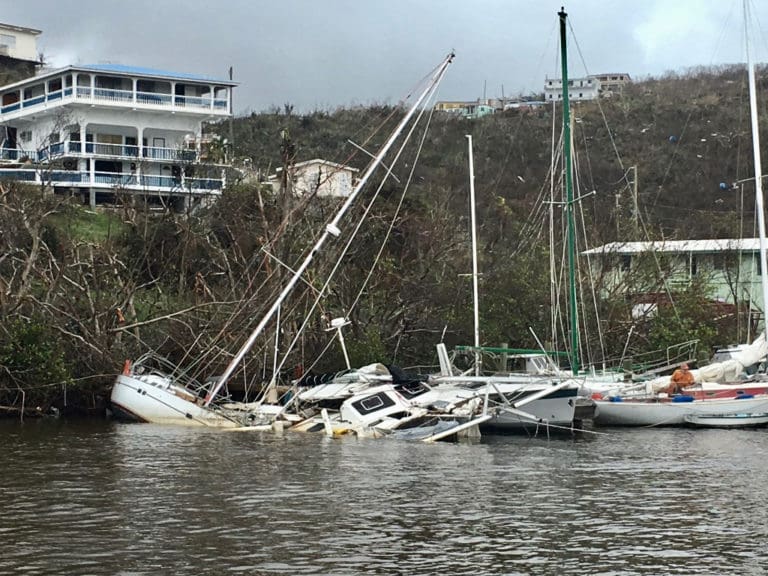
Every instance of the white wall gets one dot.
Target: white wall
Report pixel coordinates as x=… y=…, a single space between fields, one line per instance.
x=26 y=44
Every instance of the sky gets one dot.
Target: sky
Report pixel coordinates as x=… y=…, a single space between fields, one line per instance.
x=323 y=54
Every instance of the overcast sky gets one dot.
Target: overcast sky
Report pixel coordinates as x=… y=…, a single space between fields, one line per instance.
x=328 y=53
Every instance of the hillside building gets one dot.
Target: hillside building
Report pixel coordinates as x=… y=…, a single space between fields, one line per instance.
x=612 y=83
x=470 y=109
x=578 y=89
x=18 y=53
x=589 y=88
x=730 y=269
x=96 y=131
x=319 y=177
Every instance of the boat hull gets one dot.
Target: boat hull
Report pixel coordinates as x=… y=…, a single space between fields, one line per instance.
x=664 y=412
x=134 y=398
x=740 y=420
x=557 y=409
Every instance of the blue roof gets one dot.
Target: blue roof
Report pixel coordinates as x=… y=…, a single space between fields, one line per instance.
x=122 y=69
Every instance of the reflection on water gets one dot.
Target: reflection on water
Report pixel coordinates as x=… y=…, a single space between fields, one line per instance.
x=107 y=498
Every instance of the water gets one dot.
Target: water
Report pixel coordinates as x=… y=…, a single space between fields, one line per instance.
x=83 y=498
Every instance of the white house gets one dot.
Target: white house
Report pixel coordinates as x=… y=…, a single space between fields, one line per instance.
x=578 y=89
x=730 y=268
x=319 y=177
x=96 y=130
x=18 y=42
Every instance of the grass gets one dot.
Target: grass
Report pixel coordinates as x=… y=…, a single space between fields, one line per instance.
x=87 y=225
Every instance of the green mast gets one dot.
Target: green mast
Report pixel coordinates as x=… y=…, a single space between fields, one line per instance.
x=574 y=323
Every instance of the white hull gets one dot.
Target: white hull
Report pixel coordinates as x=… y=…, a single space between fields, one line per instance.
x=146 y=400
x=667 y=413
x=557 y=411
x=555 y=408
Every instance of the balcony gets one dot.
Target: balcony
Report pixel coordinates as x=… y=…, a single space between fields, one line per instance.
x=108 y=96
x=113 y=180
x=114 y=151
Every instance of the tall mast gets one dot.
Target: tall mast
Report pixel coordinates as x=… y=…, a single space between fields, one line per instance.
x=475 y=295
x=574 y=319
x=331 y=229
x=758 y=168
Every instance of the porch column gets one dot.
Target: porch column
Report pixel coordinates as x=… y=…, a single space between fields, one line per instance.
x=83 y=163
x=173 y=94
x=93 y=85
x=134 y=82
x=213 y=95
x=140 y=153
x=92 y=182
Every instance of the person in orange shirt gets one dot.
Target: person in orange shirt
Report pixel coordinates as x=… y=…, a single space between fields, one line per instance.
x=681 y=378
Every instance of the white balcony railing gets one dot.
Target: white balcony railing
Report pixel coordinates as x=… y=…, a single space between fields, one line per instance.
x=122 y=151
x=113 y=180
x=127 y=97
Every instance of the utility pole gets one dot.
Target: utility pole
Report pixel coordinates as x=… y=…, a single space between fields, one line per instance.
x=635 y=209
x=231 y=119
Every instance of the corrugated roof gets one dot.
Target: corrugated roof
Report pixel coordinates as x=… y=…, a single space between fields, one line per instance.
x=679 y=246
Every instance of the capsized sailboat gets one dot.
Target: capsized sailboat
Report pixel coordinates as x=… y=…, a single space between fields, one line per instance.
x=160 y=392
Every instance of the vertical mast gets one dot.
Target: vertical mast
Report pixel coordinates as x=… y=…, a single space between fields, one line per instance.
x=574 y=320
x=758 y=168
x=475 y=296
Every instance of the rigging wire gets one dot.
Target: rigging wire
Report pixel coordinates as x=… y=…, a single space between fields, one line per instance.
x=361 y=220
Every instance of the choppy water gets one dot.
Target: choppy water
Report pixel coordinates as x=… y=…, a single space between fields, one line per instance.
x=106 y=498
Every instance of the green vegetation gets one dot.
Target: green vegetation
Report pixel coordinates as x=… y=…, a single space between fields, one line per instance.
x=81 y=224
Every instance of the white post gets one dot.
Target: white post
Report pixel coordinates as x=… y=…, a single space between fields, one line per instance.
x=758 y=170
x=475 y=296
x=343 y=347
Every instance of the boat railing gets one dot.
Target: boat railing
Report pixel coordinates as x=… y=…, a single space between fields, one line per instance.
x=508 y=360
x=658 y=361
x=152 y=362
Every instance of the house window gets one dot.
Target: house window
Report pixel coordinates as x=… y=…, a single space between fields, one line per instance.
x=694 y=266
x=25 y=136
x=719 y=262
x=758 y=265
x=626 y=262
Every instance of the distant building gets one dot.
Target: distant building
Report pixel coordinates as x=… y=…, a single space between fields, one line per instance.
x=612 y=83
x=578 y=89
x=727 y=267
x=472 y=109
x=589 y=88
x=18 y=42
x=18 y=53
x=319 y=177
x=524 y=105
x=95 y=130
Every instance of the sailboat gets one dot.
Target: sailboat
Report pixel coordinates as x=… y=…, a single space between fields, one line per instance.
x=511 y=401
x=152 y=389
x=709 y=403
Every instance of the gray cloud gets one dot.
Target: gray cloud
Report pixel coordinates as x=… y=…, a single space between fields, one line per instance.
x=327 y=53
